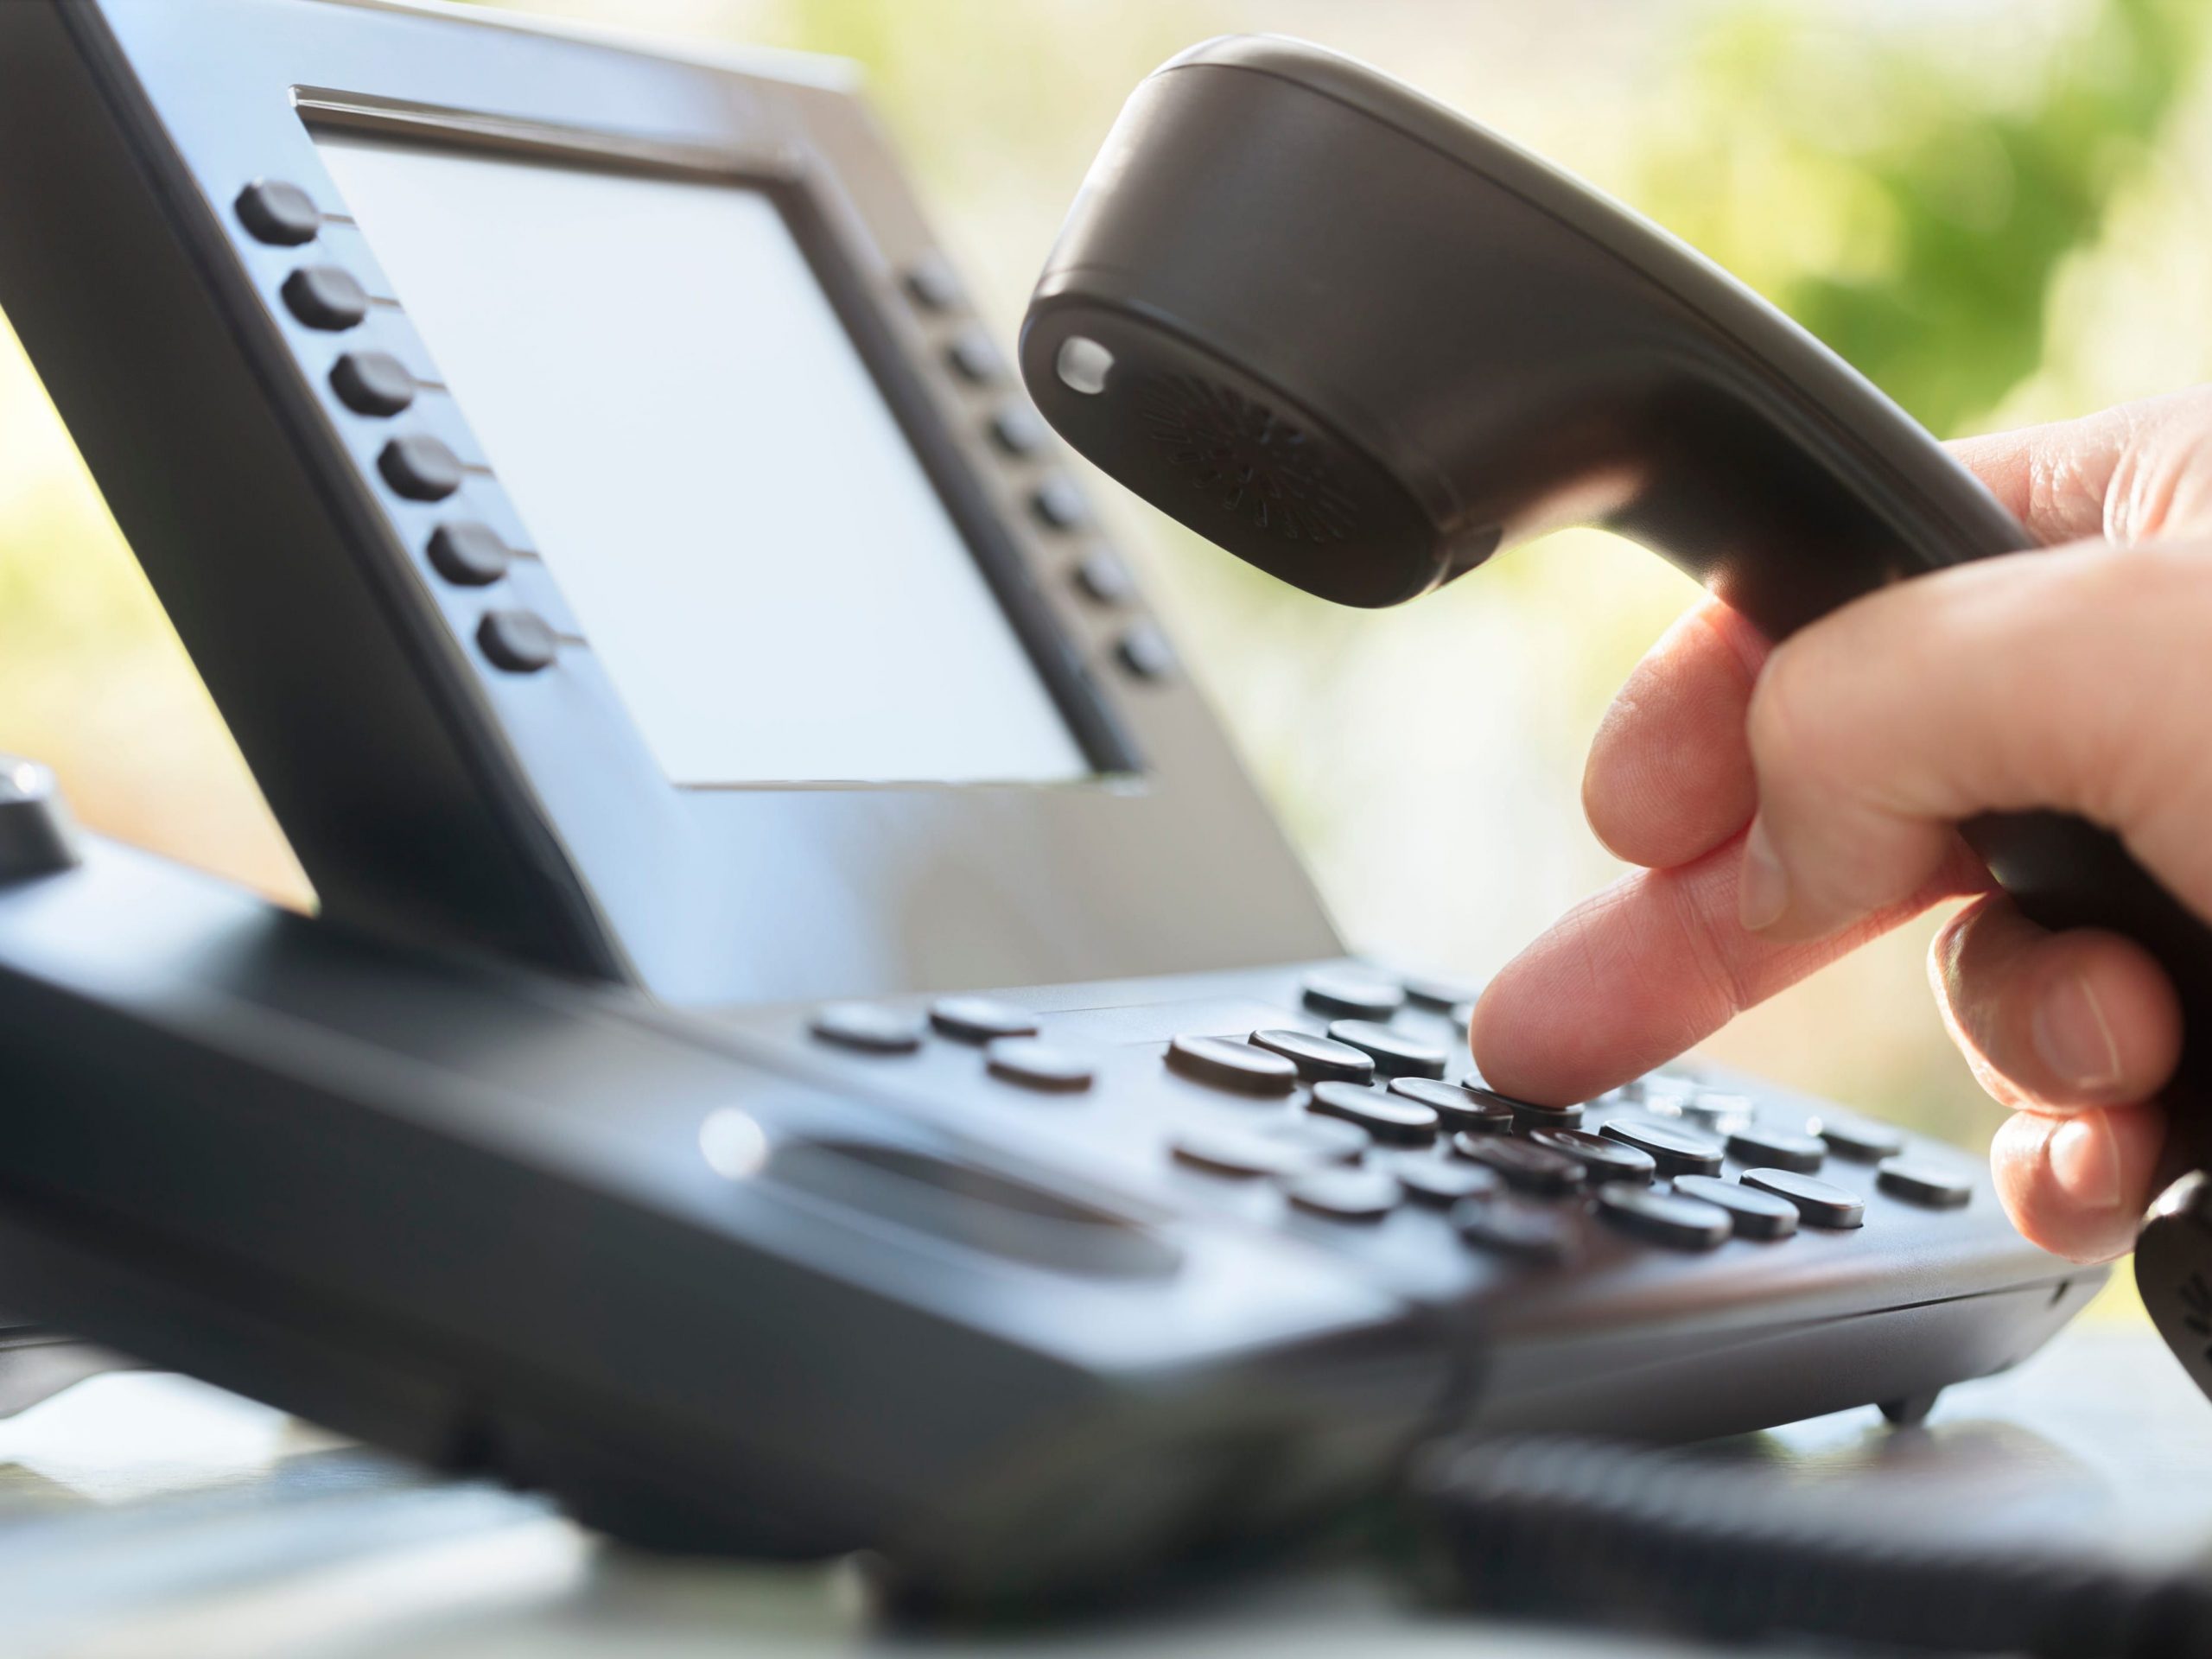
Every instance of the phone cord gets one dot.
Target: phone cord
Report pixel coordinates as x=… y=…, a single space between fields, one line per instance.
x=1652 y=1538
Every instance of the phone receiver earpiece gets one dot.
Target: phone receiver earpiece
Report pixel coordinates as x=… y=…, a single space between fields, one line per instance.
x=1362 y=343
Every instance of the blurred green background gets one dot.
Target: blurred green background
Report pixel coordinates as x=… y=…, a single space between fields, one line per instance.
x=2000 y=209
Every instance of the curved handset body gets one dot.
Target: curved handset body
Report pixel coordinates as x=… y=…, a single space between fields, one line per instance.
x=1361 y=342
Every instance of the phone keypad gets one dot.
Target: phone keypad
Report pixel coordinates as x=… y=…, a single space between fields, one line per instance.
x=1313 y=1122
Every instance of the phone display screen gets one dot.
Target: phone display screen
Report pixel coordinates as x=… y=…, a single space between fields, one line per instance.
x=708 y=469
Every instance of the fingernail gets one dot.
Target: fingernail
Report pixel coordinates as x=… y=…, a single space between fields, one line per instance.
x=1762 y=888
x=2085 y=1160
x=2073 y=1037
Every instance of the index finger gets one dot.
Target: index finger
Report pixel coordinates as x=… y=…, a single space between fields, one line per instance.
x=1653 y=965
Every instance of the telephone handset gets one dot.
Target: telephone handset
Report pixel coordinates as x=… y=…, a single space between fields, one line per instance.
x=1362 y=343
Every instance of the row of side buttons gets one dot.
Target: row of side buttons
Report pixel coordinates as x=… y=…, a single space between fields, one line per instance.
x=414 y=464
x=1017 y=432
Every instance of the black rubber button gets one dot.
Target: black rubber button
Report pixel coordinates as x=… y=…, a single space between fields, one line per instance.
x=1511 y=1227
x=518 y=641
x=1059 y=503
x=1101 y=577
x=1356 y=996
x=1858 y=1137
x=273 y=211
x=1778 y=1149
x=932 y=284
x=1605 y=1160
x=1330 y=1139
x=1317 y=1057
x=469 y=554
x=373 y=383
x=1347 y=1194
x=1229 y=1151
x=1680 y=1223
x=1495 y=1115
x=1921 y=1183
x=1528 y=1114
x=1721 y=1114
x=325 y=296
x=1757 y=1214
x=1394 y=1054
x=420 y=466
x=1523 y=1164
x=1144 y=652
x=1017 y=429
x=1037 y=1064
x=981 y=1019
x=1457 y=1108
x=1390 y=1118
x=1229 y=1065
x=1820 y=1203
x=868 y=1026
x=1443 y=1182
x=974 y=357
x=1434 y=991
x=1676 y=1151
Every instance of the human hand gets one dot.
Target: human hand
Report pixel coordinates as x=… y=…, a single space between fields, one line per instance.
x=1787 y=804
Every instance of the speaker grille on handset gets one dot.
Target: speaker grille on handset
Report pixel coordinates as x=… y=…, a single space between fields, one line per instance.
x=1247 y=459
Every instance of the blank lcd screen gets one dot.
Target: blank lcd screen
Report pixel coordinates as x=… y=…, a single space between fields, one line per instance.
x=708 y=470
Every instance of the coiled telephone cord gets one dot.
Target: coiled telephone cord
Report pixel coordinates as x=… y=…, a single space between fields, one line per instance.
x=1662 y=1540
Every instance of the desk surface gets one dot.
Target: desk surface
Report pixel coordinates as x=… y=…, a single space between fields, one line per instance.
x=146 y=1515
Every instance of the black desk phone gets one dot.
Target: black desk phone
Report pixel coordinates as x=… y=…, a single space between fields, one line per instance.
x=811 y=1041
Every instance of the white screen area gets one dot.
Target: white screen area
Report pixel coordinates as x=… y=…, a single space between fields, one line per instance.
x=708 y=470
